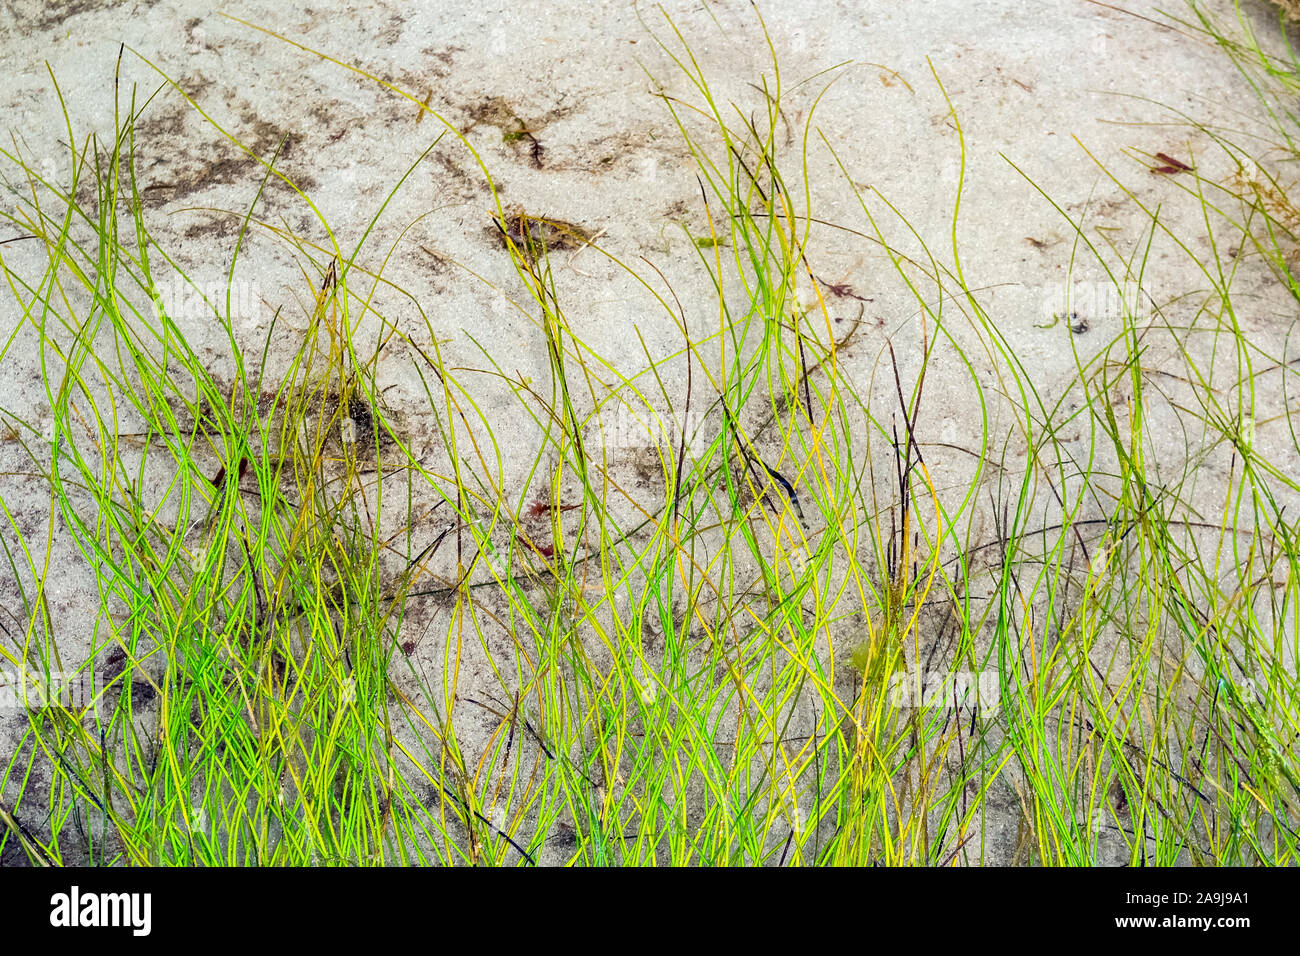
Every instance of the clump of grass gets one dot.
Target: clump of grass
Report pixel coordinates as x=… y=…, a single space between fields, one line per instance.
x=233 y=529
